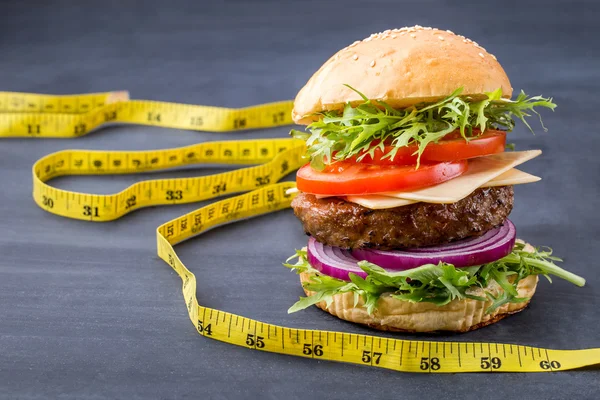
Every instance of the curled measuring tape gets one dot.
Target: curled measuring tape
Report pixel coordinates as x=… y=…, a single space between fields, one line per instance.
x=35 y=115
x=276 y=158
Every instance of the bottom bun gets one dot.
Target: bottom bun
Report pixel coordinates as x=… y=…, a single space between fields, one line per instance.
x=460 y=315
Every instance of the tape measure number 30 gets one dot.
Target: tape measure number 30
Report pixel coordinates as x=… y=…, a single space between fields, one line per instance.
x=34 y=115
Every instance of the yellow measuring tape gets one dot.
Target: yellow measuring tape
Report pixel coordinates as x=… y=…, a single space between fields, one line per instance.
x=58 y=116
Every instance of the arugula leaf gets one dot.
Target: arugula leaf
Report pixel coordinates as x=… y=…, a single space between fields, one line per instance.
x=358 y=131
x=438 y=284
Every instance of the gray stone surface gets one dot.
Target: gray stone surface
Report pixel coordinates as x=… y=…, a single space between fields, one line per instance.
x=88 y=311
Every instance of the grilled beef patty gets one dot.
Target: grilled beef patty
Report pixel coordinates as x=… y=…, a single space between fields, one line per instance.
x=336 y=222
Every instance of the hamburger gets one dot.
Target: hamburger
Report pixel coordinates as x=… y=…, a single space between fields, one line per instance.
x=409 y=184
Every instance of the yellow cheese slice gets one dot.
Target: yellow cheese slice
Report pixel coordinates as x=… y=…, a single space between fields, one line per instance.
x=379 y=202
x=481 y=170
x=512 y=177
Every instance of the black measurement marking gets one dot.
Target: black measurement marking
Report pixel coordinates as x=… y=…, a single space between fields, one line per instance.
x=154 y=117
x=174 y=195
x=519 y=353
x=89 y=211
x=370 y=357
x=33 y=129
x=430 y=363
x=79 y=129
x=239 y=123
x=401 y=352
x=110 y=116
x=196 y=121
x=205 y=330
x=459 y=362
x=546 y=365
x=314 y=351
x=490 y=363
x=47 y=201
x=255 y=341
x=130 y=202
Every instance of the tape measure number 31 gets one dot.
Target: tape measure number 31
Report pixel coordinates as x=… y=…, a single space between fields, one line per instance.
x=32 y=115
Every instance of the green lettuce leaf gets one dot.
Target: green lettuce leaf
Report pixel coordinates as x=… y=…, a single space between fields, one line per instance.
x=358 y=131
x=438 y=284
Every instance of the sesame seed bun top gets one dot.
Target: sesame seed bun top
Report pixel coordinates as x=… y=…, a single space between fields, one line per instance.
x=402 y=67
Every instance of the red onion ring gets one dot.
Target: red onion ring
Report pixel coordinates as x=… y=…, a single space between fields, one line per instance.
x=338 y=263
x=465 y=253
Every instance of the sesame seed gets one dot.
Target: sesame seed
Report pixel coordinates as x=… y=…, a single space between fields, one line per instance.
x=449 y=31
x=476 y=44
x=372 y=63
x=428 y=28
x=469 y=40
x=412 y=35
x=355 y=57
x=481 y=55
x=402 y=33
x=441 y=38
x=368 y=39
x=493 y=56
x=465 y=41
x=394 y=36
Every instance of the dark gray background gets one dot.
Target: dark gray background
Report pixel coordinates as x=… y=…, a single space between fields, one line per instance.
x=89 y=311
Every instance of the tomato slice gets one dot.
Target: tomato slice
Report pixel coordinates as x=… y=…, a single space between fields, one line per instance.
x=351 y=178
x=451 y=148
